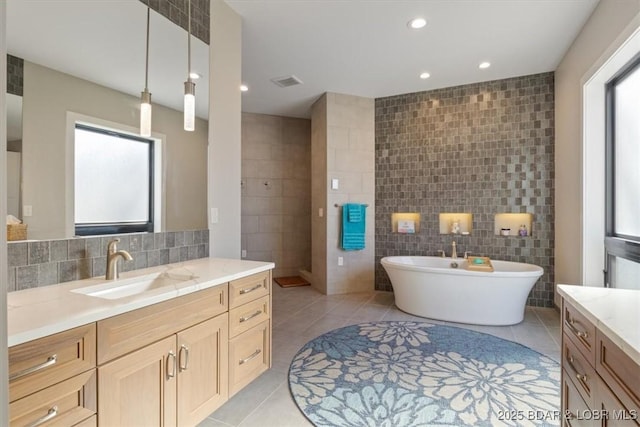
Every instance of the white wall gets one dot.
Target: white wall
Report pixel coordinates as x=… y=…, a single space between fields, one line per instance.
x=602 y=34
x=48 y=96
x=4 y=370
x=224 y=154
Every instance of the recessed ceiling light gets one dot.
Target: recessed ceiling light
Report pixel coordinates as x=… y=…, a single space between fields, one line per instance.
x=194 y=76
x=244 y=88
x=484 y=65
x=417 y=23
x=425 y=75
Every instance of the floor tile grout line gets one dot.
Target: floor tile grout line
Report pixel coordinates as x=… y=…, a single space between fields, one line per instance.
x=285 y=382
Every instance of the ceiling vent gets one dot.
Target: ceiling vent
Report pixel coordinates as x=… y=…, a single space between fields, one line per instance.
x=287 y=81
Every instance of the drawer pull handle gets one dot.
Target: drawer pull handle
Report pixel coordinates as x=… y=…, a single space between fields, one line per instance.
x=581 y=377
x=171 y=362
x=571 y=325
x=51 y=360
x=52 y=413
x=251 y=316
x=255 y=354
x=183 y=349
x=247 y=290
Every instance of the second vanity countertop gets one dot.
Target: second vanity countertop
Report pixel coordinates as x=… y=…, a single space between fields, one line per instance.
x=36 y=313
x=615 y=312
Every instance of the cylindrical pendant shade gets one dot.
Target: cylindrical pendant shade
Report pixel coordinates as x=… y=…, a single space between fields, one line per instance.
x=189 y=106
x=145 y=114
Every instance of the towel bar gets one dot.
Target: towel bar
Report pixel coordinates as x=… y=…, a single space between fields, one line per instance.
x=337 y=205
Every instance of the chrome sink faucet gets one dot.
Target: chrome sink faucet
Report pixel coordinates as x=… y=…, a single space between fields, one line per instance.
x=112 y=259
x=454 y=254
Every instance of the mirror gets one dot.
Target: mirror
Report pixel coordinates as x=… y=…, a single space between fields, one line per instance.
x=89 y=67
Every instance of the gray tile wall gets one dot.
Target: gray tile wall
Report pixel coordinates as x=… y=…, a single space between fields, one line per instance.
x=484 y=148
x=276 y=191
x=176 y=11
x=47 y=262
x=15 y=75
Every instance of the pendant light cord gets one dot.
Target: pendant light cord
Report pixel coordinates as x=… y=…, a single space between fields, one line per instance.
x=146 y=66
x=189 y=42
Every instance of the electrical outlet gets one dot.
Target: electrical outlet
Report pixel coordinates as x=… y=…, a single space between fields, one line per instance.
x=320 y=212
x=214 y=215
x=27 y=210
x=340 y=260
x=244 y=253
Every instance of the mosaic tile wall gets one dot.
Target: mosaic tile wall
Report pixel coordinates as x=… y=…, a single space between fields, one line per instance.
x=176 y=11
x=15 y=75
x=484 y=148
x=47 y=262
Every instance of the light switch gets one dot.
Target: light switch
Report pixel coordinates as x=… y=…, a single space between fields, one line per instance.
x=244 y=253
x=27 y=210
x=214 y=215
x=335 y=183
x=340 y=260
x=320 y=212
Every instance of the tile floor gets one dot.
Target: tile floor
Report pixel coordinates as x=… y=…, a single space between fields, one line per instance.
x=301 y=314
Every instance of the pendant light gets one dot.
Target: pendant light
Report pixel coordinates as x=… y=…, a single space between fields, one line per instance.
x=189 y=85
x=145 y=99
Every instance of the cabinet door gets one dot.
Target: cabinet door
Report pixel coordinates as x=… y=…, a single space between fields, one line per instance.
x=139 y=389
x=202 y=370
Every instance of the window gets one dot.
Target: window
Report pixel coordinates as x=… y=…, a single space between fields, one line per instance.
x=622 y=216
x=114 y=182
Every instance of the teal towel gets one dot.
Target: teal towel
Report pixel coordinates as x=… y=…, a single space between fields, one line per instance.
x=354 y=212
x=353 y=231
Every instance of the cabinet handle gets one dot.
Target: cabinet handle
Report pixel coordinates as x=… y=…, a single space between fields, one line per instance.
x=251 y=316
x=52 y=413
x=51 y=360
x=255 y=354
x=171 y=356
x=247 y=290
x=183 y=349
x=571 y=325
x=581 y=377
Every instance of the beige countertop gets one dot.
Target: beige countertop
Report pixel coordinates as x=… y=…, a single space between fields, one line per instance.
x=616 y=312
x=35 y=313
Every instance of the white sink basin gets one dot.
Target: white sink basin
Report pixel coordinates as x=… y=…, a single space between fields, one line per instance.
x=123 y=288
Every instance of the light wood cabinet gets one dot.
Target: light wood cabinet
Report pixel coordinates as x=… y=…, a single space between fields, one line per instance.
x=167 y=364
x=600 y=383
x=183 y=377
x=202 y=370
x=52 y=380
x=140 y=389
x=249 y=329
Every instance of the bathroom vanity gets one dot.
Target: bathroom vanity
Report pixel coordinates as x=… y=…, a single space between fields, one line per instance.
x=600 y=356
x=168 y=352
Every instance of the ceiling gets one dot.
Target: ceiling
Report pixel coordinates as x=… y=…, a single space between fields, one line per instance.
x=364 y=47
x=357 y=47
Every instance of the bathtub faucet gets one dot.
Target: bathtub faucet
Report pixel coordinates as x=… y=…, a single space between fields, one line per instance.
x=454 y=254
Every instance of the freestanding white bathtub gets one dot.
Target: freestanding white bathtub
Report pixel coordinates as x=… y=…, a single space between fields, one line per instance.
x=429 y=287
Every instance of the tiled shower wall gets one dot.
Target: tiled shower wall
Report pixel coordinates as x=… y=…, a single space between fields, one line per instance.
x=276 y=191
x=47 y=262
x=484 y=148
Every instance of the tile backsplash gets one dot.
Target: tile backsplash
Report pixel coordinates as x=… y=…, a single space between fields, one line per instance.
x=47 y=262
x=484 y=148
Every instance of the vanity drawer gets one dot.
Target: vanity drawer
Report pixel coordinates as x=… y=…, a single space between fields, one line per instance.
x=130 y=331
x=40 y=363
x=578 y=368
x=580 y=330
x=573 y=407
x=619 y=372
x=248 y=288
x=249 y=356
x=247 y=316
x=68 y=403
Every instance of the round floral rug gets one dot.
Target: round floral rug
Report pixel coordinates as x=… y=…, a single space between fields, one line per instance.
x=398 y=374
